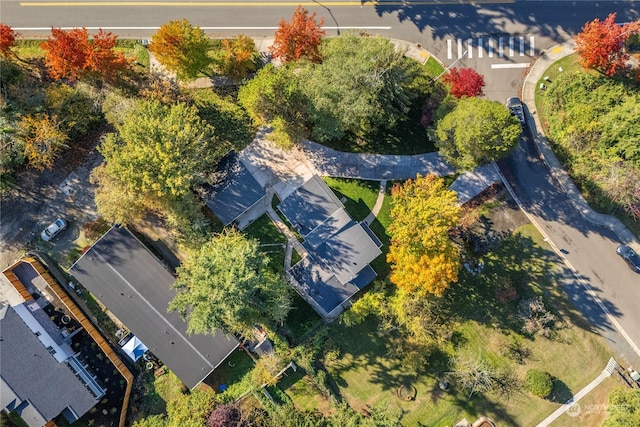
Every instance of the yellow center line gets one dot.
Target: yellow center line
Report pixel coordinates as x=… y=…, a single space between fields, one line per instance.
x=248 y=3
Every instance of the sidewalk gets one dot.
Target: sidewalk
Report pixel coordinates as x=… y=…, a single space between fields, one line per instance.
x=530 y=86
x=572 y=405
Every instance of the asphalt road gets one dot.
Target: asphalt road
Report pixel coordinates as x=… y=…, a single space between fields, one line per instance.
x=588 y=248
x=522 y=28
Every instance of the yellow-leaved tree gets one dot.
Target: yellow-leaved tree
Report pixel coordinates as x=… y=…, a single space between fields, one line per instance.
x=421 y=254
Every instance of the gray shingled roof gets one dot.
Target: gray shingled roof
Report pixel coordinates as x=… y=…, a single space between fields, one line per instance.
x=339 y=248
x=310 y=205
x=120 y=272
x=28 y=371
x=234 y=191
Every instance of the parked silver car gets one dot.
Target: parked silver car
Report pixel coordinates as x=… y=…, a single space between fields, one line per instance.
x=53 y=230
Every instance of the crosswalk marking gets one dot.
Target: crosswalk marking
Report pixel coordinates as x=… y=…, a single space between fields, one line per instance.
x=532 y=50
x=492 y=46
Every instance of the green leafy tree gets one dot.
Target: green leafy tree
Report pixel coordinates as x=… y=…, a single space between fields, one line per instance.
x=184 y=410
x=476 y=132
x=423 y=258
x=12 y=154
x=274 y=97
x=155 y=160
x=43 y=139
x=624 y=408
x=74 y=107
x=182 y=48
x=228 y=285
x=362 y=85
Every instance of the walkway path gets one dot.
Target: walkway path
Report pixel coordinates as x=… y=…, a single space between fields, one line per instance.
x=572 y=403
x=379 y=201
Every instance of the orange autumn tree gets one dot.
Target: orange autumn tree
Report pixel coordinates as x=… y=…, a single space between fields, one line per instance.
x=299 y=38
x=72 y=55
x=600 y=45
x=237 y=57
x=7 y=40
x=422 y=256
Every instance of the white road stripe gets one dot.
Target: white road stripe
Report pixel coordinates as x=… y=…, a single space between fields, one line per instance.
x=490 y=48
x=459 y=48
x=516 y=65
x=480 y=49
x=521 y=46
x=470 y=47
x=500 y=48
x=532 y=50
x=449 y=52
x=511 y=52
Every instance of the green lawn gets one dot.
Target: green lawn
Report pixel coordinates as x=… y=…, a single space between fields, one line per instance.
x=433 y=67
x=272 y=242
x=568 y=64
x=368 y=373
x=360 y=195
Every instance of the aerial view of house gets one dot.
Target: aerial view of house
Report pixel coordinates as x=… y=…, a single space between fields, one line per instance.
x=135 y=286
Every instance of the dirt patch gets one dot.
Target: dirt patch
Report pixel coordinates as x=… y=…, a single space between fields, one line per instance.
x=506 y=217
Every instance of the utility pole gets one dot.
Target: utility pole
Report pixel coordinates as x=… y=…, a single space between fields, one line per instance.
x=450 y=66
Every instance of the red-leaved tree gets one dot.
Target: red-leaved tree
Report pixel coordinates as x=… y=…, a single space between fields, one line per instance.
x=71 y=55
x=7 y=39
x=464 y=82
x=601 y=44
x=299 y=38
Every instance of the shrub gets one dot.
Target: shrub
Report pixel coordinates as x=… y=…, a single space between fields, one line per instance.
x=537 y=320
x=538 y=383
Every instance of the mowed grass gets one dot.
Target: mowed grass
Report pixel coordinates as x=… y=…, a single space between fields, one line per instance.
x=272 y=242
x=433 y=67
x=568 y=63
x=368 y=374
x=593 y=407
x=361 y=197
